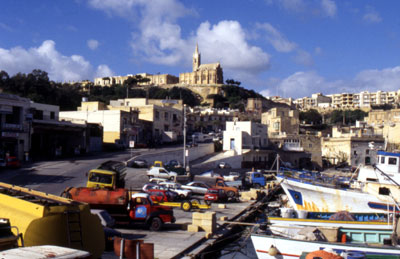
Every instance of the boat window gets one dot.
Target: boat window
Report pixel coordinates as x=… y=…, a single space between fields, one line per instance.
x=382 y=159
x=367 y=160
x=392 y=161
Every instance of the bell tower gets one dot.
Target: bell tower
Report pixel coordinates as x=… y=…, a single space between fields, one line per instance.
x=196 y=59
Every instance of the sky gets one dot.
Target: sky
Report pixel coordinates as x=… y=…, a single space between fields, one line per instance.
x=287 y=48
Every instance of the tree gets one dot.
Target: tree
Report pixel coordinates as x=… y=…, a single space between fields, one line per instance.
x=132 y=81
x=311 y=117
x=232 y=82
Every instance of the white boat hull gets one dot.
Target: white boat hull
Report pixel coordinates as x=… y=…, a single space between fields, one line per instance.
x=290 y=248
x=330 y=223
x=316 y=198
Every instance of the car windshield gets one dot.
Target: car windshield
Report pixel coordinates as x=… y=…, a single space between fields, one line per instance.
x=213 y=191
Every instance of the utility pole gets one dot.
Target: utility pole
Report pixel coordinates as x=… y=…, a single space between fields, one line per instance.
x=184 y=136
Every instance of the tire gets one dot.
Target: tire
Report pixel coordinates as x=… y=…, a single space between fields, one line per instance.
x=186 y=206
x=257 y=186
x=230 y=194
x=181 y=196
x=208 y=202
x=171 y=178
x=156 y=224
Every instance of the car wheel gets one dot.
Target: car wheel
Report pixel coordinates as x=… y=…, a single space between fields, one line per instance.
x=156 y=224
x=208 y=202
x=182 y=196
x=230 y=194
x=186 y=206
x=171 y=178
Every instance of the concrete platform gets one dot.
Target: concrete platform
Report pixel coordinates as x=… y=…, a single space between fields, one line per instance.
x=174 y=239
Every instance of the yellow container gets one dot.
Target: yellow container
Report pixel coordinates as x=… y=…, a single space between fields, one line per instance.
x=46 y=219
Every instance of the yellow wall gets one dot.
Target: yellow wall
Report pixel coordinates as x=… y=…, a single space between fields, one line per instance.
x=110 y=137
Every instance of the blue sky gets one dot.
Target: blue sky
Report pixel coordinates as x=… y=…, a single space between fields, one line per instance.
x=290 y=48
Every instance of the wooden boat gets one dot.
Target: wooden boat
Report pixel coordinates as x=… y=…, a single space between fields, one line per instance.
x=272 y=246
x=375 y=189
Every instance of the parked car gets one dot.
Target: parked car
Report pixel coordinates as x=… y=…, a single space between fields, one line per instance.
x=157 y=180
x=139 y=163
x=215 y=195
x=161 y=172
x=196 y=187
x=176 y=187
x=223 y=165
x=13 y=162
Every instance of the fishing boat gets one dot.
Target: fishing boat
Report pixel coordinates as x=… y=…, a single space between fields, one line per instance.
x=376 y=188
x=272 y=246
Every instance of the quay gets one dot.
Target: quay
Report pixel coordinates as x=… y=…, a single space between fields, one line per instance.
x=181 y=240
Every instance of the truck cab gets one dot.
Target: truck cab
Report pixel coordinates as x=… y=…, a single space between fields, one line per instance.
x=98 y=178
x=142 y=209
x=110 y=174
x=255 y=179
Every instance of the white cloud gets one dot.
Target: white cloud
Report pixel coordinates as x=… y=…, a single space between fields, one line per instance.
x=302 y=84
x=329 y=7
x=277 y=39
x=371 y=15
x=118 y=7
x=387 y=79
x=103 y=70
x=93 y=44
x=226 y=42
x=46 y=58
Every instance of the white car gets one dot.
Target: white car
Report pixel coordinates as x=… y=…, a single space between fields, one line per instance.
x=176 y=187
x=157 y=180
x=161 y=172
x=196 y=187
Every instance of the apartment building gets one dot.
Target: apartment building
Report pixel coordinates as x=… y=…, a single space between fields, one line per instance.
x=316 y=100
x=281 y=121
x=159 y=79
x=166 y=120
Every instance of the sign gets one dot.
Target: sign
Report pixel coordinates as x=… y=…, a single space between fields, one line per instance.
x=131 y=144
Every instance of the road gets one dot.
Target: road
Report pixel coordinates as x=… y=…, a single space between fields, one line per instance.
x=54 y=176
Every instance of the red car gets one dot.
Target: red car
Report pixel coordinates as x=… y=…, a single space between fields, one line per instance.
x=13 y=162
x=161 y=195
x=215 y=195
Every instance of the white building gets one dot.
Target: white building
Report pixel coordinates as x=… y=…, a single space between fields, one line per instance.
x=244 y=135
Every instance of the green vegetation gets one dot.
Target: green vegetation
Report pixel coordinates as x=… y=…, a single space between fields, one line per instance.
x=233 y=96
x=346 y=116
x=37 y=87
x=310 y=117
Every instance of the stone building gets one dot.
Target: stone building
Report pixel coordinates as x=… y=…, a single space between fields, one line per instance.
x=352 y=145
x=281 y=120
x=203 y=74
x=387 y=123
x=158 y=80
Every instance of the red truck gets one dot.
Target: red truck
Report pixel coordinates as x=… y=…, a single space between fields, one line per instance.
x=139 y=207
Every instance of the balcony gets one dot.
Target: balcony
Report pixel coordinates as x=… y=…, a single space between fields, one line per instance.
x=12 y=127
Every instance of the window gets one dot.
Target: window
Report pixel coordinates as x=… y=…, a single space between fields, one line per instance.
x=382 y=159
x=14 y=118
x=157 y=115
x=367 y=151
x=166 y=115
x=310 y=145
x=392 y=161
x=355 y=152
x=52 y=115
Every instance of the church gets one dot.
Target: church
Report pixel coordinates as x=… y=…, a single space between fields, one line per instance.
x=203 y=74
